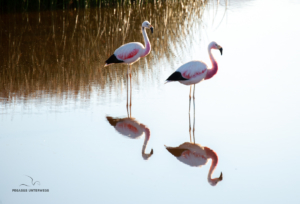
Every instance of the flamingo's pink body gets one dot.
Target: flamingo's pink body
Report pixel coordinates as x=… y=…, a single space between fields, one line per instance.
x=133 y=129
x=194 y=72
x=132 y=52
x=196 y=156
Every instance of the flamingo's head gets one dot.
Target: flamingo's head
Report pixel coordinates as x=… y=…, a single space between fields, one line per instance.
x=214 y=45
x=147 y=156
x=148 y=25
x=215 y=181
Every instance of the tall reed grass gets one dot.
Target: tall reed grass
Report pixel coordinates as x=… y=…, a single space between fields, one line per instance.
x=40 y=5
x=61 y=53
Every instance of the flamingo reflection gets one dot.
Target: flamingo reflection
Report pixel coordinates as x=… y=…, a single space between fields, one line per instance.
x=131 y=128
x=196 y=155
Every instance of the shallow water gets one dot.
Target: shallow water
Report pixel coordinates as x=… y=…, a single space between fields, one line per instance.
x=55 y=96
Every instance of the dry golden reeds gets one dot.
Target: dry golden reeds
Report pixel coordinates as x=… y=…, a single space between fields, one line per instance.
x=62 y=53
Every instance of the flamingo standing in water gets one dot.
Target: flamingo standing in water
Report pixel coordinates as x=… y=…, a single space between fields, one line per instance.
x=194 y=72
x=196 y=156
x=133 y=129
x=131 y=52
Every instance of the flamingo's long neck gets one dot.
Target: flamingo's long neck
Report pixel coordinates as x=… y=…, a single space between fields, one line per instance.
x=147 y=137
x=147 y=43
x=214 y=157
x=211 y=72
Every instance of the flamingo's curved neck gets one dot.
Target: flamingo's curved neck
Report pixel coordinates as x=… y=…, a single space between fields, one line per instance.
x=147 y=43
x=147 y=137
x=211 y=72
x=214 y=157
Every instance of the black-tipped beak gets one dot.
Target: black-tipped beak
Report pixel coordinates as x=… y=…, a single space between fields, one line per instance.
x=221 y=176
x=151 y=151
x=221 y=50
x=151 y=29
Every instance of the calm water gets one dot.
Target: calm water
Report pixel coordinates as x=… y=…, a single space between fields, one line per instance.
x=55 y=97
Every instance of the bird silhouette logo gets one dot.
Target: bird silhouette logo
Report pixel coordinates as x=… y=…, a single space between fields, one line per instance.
x=32 y=182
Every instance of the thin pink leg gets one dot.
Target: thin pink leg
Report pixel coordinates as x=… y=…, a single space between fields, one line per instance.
x=190 y=98
x=127 y=90
x=194 y=114
x=130 y=90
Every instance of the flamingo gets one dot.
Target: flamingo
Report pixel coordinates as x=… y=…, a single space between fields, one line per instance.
x=196 y=71
x=196 y=156
x=131 y=52
x=133 y=129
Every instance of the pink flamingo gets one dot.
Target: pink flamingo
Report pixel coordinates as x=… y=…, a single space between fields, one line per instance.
x=133 y=129
x=131 y=52
x=194 y=72
x=195 y=155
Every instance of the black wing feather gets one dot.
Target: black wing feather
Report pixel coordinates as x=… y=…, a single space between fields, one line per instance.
x=176 y=76
x=176 y=151
x=113 y=59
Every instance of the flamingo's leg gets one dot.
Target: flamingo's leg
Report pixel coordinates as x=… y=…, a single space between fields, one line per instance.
x=190 y=127
x=130 y=89
x=194 y=113
x=190 y=99
x=127 y=90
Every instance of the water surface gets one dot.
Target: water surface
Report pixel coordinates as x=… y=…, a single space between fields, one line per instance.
x=55 y=97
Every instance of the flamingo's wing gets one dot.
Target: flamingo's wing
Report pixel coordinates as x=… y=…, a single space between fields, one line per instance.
x=128 y=51
x=193 y=69
x=176 y=151
x=129 y=127
x=193 y=158
x=113 y=121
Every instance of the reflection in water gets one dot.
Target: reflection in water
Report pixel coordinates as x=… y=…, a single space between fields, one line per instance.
x=196 y=155
x=131 y=128
x=60 y=53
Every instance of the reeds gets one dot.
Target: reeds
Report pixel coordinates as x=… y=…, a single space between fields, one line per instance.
x=60 y=54
x=41 y=5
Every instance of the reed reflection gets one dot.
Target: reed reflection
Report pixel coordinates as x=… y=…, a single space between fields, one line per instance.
x=60 y=53
x=196 y=155
x=131 y=128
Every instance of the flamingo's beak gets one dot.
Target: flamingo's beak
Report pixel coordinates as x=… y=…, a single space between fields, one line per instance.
x=221 y=177
x=151 y=28
x=221 y=50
